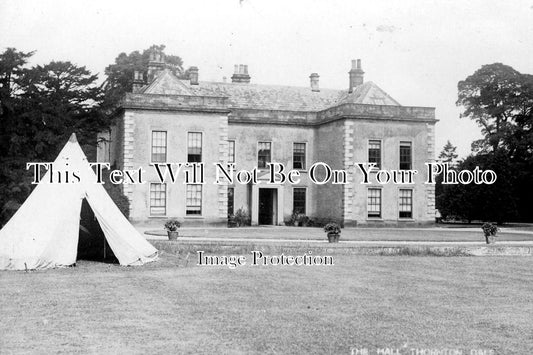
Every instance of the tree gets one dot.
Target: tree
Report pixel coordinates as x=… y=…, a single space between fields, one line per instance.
x=41 y=107
x=497 y=97
x=120 y=74
x=496 y=202
x=500 y=100
x=56 y=100
x=448 y=155
x=11 y=66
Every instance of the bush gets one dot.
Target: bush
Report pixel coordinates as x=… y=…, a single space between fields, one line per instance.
x=118 y=198
x=322 y=221
x=241 y=218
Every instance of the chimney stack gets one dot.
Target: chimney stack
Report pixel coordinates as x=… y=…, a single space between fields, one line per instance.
x=241 y=74
x=314 y=82
x=138 y=81
x=156 y=64
x=193 y=75
x=356 y=75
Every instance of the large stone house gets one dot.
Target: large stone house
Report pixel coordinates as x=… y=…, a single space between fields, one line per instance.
x=166 y=119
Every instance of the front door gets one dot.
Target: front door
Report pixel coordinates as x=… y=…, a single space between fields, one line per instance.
x=266 y=206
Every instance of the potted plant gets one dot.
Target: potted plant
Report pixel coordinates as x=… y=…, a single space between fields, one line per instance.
x=333 y=230
x=490 y=231
x=172 y=229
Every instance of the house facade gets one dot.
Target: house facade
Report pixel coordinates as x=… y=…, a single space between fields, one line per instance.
x=166 y=119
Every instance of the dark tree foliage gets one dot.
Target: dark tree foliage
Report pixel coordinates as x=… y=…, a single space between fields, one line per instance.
x=54 y=101
x=500 y=100
x=120 y=74
x=496 y=202
x=41 y=107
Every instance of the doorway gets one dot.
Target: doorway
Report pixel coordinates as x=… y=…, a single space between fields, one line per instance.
x=92 y=244
x=267 y=206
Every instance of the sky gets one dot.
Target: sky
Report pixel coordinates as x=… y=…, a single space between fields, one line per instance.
x=417 y=51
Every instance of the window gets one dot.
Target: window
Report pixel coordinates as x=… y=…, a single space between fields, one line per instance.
x=374 y=152
x=263 y=154
x=298 y=204
x=374 y=203
x=231 y=200
x=298 y=156
x=231 y=152
x=194 y=147
x=406 y=203
x=158 y=199
x=159 y=146
x=194 y=200
x=405 y=156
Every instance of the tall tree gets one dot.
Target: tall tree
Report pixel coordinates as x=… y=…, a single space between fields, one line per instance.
x=448 y=155
x=495 y=96
x=41 y=107
x=55 y=99
x=12 y=63
x=120 y=74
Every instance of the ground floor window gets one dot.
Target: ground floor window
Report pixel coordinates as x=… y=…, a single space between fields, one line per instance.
x=374 y=203
x=194 y=199
x=158 y=199
x=231 y=200
x=406 y=203
x=299 y=200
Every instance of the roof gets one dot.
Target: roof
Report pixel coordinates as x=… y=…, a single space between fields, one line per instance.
x=270 y=97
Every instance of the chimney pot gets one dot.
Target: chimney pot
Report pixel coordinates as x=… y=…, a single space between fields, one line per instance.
x=193 y=75
x=156 y=64
x=314 y=82
x=356 y=75
x=138 y=81
x=241 y=74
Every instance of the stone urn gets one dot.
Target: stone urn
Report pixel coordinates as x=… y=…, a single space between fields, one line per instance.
x=490 y=239
x=333 y=237
x=173 y=235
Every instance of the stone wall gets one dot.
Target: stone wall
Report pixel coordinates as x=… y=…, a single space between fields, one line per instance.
x=177 y=125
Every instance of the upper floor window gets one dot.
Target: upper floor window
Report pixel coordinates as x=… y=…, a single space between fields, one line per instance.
x=406 y=203
x=194 y=147
x=159 y=146
x=406 y=156
x=298 y=156
x=264 y=155
x=374 y=203
x=374 y=152
x=231 y=151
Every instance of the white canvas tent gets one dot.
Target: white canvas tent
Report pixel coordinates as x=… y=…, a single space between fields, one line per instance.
x=44 y=232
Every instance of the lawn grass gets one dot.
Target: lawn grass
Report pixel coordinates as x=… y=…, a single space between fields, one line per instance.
x=362 y=301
